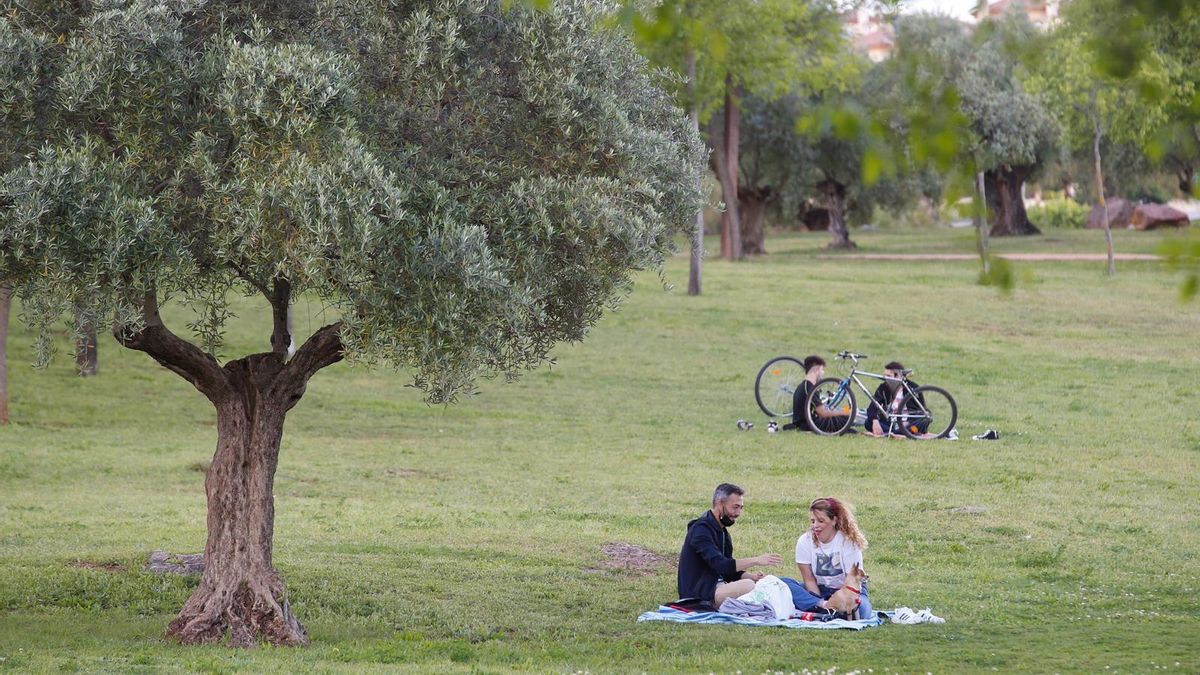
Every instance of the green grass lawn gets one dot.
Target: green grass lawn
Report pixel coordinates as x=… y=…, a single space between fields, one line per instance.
x=468 y=538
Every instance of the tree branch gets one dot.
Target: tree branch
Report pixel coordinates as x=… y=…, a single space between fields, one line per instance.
x=324 y=348
x=281 y=299
x=103 y=130
x=245 y=276
x=172 y=352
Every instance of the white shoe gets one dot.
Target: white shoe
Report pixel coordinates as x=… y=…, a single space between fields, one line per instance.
x=927 y=616
x=953 y=435
x=905 y=615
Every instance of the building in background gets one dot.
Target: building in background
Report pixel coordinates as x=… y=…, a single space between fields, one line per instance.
x=870 y=34
x=1041 y=13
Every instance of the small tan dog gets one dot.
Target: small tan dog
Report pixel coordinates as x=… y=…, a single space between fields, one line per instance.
x=846 y=600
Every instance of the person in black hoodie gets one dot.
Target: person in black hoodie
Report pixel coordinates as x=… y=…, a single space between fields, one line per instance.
x=829 y=420
x=878 y=424
x=708 y=571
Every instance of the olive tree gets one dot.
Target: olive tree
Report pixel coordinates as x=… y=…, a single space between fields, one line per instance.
x=1009 y=133
x=464 y=183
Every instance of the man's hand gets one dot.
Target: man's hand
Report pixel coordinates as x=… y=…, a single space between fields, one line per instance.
x=768 y=560
x=753 y=576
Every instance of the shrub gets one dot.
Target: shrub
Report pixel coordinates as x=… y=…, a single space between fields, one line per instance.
x=1060 y=214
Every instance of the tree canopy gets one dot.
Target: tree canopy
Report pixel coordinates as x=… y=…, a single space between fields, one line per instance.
x=463 y=184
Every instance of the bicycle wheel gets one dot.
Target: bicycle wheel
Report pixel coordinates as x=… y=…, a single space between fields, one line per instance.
x=776 y=385
x=928 y=413
x=830 y=393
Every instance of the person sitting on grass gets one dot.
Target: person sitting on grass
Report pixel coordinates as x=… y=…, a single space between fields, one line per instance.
x=707 y=569
x=879 y=423
x=831 y=547
x=828 y=420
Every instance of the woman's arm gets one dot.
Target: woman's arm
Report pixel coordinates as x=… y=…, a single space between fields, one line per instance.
x=810 y=582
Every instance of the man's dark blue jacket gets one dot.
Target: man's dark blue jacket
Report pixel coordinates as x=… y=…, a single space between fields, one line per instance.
x=707 y=557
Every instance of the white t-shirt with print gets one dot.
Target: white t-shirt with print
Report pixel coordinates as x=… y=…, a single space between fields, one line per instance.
x=831 y=561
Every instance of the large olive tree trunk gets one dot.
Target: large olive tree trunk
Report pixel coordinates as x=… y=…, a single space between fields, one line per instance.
x=241 y=595
x=241 y=592
x=753 y=203
x=835 y=201
x=1007 y=215
x=5 y=307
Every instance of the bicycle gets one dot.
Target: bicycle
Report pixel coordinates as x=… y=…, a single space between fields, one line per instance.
x=924 y=412
x=776 y=385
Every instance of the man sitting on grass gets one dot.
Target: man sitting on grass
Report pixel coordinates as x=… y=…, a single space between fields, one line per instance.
x=707 y=569
x=828 y=420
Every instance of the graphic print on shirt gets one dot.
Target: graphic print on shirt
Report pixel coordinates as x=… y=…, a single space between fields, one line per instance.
x=828 y=564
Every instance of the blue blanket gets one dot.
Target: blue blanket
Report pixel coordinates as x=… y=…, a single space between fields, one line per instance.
x=665 y=613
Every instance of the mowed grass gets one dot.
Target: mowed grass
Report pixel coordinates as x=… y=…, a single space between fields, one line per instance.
x=468 y=538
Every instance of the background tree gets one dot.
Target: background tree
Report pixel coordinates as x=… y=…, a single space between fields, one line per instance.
x=1176 y=40
x=774 y=161
x=462 y=185
x=24 y=81
x=1010 y=134
x=764 y=48
x=1092 y=105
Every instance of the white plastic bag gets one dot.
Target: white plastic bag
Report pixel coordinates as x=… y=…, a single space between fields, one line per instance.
x=772 y=592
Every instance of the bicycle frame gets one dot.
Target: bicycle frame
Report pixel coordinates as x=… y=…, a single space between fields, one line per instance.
x=894 y=418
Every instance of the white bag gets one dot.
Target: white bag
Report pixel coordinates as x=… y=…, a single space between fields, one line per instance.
x=772 y=592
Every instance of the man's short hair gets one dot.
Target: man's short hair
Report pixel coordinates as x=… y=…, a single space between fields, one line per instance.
x=725 y=491
x=894 y=365
x=812 y=362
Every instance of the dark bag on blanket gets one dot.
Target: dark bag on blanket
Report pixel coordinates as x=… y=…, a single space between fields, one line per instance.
x=692 y=605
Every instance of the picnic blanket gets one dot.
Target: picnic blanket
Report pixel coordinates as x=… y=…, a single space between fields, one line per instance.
x=664 y=613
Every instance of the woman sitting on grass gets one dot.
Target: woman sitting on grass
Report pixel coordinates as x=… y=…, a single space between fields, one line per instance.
x=825 y=553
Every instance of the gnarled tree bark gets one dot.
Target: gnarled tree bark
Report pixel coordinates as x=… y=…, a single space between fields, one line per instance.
x=754 y=203
x=1007 y=215
x=241 y=595
x=835 y=201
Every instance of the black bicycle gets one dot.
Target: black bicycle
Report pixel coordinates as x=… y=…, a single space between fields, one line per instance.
x=922 y=412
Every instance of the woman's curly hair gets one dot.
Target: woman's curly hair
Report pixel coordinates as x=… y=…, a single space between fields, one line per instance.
x=844 y=513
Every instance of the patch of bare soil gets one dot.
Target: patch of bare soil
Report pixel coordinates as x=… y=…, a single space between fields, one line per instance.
x=631 y=559
x=405 y=473
x=102 y=566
